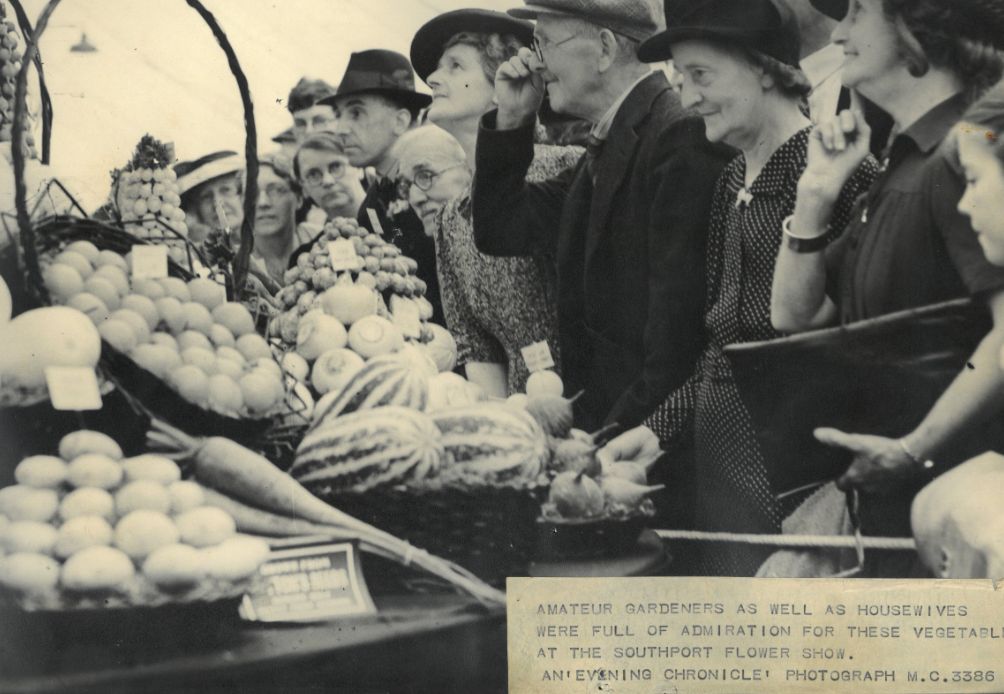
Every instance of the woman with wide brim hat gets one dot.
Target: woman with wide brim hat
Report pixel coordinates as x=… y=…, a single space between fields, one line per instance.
x=738 y=62
x=494 y=306
x=924 y=62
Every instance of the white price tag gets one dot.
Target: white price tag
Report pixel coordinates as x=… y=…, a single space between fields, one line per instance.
x=406 y=316
x=149 y=262
x=73 y=388
x=538 y=357
x=343 y=255
x=375 y=222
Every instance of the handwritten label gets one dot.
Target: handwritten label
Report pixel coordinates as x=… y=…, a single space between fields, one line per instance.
x=149 y=262
x=538 y=357
x=309 y=583
x=343 y=255
x=73 y=388
x=375 y=222
x=406 y=316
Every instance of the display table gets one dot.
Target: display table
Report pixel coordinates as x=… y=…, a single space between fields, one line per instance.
x=417 y=643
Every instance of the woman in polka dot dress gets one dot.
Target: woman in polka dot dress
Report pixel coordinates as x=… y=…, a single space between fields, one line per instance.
x=750 y=98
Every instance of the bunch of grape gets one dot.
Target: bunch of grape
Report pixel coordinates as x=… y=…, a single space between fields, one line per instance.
x=148 y=198
x=382 y=268
x=10 y=65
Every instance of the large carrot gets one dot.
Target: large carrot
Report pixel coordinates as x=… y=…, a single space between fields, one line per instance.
x=258 y=522
x=235 y=471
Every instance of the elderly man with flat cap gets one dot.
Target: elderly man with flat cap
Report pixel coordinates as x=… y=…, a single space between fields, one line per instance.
x=626 y=225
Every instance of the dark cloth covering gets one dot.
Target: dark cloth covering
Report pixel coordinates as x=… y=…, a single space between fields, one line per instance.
x=629 y=250
x=733 y=490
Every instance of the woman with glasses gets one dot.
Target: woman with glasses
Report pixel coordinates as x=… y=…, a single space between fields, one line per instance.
x=495 y=306
x=275 y=228
x=326 y=177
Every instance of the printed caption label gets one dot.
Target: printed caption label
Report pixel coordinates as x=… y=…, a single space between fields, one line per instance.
x=538 y=357
x=309 y=583
x=73 y=388
x=723 y=635
x=343 y=255
x=406 y=316
x=149 y=262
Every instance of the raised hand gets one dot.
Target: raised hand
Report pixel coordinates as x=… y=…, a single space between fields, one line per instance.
x=519 y=89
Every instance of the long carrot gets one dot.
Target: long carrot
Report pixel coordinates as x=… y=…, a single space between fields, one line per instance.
x=235 y=471
x=258 y=522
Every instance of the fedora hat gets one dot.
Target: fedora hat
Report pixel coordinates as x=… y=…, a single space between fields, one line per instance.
x=636 y=19
x=427 y=46
x=754 y=24
x=379 y=71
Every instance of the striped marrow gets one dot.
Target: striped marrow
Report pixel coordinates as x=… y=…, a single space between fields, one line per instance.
x=382 y=382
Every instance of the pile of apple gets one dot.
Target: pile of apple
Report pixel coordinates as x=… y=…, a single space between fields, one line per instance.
x=185 y=333
x=90 y=523
x=584 y=485
x=148 y=200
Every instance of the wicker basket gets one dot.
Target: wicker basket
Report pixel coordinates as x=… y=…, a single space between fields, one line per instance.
x=491 y=531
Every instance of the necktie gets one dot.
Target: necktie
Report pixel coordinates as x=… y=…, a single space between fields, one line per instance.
x=594 y=147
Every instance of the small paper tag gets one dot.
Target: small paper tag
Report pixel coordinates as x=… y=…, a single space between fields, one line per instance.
x=406 y=316
x=149 y=262
x=308 y=584
x=375 y=222
x=73 y=388
x=343 y=255
x=538 y=356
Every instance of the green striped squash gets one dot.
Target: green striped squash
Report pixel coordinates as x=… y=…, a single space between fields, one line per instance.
x=497 y=442
x=381 y=382
x=368 y=449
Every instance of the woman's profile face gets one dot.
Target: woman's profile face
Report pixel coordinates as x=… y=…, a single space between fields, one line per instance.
x=460 y=88
x=871 y=47
x=983 y=201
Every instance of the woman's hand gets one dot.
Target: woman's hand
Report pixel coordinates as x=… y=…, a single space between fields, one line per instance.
x=639 y=445
x=836 y=150
x=880 y=466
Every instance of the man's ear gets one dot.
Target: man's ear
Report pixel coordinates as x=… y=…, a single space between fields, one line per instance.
x=402 y=121
x=609 y=50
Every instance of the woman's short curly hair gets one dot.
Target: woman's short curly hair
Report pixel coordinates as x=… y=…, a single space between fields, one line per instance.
x=790 y=80
x=944 y=35
x=494 y=49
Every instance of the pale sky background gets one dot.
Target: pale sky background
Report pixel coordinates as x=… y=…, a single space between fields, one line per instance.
x=158 y=69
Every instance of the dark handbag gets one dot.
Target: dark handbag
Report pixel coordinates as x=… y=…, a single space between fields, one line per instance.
x=879 y=376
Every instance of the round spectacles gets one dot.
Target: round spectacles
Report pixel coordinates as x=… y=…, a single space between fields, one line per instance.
x=315 y=176
x=539 y=46
x=423 y=180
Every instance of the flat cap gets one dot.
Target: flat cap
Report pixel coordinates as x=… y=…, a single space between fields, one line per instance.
x=636 y=19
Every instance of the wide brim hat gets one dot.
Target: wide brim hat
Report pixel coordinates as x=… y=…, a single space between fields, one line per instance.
x=636 y=19
x=835 y=9
x=383 y=72
x=192 y=174
x=754 y=24
x=429 y=42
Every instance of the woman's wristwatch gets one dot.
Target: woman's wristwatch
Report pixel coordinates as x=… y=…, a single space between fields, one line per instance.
x=925 y=465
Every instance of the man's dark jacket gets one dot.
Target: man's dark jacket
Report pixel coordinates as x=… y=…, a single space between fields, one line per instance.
x=629 y=250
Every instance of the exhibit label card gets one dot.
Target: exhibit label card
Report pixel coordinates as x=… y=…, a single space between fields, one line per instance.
x=683 y=635
x=308 y=584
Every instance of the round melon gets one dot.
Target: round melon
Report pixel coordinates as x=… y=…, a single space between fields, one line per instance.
x=43 y=337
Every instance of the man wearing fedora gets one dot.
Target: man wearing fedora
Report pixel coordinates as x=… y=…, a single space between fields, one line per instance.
x=376 y=103
x=626 y=225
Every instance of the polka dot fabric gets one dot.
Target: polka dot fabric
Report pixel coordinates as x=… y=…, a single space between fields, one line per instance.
x=733 y=494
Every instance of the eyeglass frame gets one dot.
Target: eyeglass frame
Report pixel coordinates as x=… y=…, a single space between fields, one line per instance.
x=319 y=172
x=538 y=46
x=405 y=184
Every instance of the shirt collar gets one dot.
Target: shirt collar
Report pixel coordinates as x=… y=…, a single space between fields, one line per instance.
x=602 y=127
x=930 y=129
x=823 y=64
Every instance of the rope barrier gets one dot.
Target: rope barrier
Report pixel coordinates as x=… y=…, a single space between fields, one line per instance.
x=899 y=544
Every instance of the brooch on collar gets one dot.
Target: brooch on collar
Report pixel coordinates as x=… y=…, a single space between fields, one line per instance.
x=743 y=198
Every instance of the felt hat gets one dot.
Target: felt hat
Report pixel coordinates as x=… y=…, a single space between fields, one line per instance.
x=754 y=24
x=430 y=40
x=379 y=71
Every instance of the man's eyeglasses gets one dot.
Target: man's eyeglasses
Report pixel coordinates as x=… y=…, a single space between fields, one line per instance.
x=423 y=180
x=539 y=46
x=315 y=176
